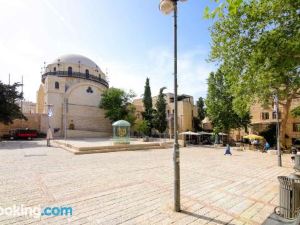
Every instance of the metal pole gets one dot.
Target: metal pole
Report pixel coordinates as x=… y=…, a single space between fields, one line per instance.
x=278 y=131
x=176 y=146
x=22 y=101
x=65 y=119
x=48 y=139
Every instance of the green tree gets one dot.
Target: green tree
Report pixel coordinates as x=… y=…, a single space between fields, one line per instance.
x=196 y=124
x=117 y=104
x=160 y=117
x=130 y=117
x=219 y=106
x=230 y=6
x=259 y=50
x=296 y=112
x=200 y=109
x=147 y=100
x=142 y=126
x=9 y=109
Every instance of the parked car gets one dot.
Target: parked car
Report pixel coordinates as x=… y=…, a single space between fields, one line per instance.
x=22 y=133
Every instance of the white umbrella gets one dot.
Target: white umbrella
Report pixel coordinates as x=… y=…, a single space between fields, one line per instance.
x=204 y=133
x=189 y=133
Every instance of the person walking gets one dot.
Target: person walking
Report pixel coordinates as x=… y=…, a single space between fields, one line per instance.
x=227 y=150
x=294 y=152
x=266 y=147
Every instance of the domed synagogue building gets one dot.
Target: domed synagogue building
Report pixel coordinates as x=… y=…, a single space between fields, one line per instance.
x=70 y=92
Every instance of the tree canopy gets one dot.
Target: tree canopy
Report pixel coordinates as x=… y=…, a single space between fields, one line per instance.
x=160 y=117
x=296 y=112
x=117 y=104
x=147 y=101
x=142 y=127
x=219 y=105
x=258 y=50
x=200 y=109
x=9 y=109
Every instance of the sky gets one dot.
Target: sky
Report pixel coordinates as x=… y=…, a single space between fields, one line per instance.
x=130 y=40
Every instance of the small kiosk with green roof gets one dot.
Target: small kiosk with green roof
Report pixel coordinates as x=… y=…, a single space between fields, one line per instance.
x=121 y=132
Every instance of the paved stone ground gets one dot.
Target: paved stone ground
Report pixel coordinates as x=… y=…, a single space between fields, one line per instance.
x=137 y=187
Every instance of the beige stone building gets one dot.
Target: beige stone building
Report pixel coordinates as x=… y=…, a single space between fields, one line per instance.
x=262 y=117
x=186 y=111
x=70 y=91
x=27 y=107
x=34 y=121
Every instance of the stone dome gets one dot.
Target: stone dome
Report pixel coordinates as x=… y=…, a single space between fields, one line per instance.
x=76 y=59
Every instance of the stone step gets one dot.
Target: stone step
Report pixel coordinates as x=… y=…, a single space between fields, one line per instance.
x=76 y=152
x=113 y=148
x=119 y=146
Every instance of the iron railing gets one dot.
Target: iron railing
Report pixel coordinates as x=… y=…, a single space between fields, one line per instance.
x=76 y=75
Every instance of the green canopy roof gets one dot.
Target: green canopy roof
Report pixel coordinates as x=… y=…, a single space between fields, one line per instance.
x=121 y=123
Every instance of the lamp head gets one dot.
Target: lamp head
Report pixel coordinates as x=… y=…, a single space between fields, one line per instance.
x=167 y=6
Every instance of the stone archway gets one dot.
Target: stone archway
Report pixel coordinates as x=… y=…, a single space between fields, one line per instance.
x=83 y=108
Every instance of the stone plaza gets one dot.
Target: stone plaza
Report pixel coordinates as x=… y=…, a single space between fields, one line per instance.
x=136 y=187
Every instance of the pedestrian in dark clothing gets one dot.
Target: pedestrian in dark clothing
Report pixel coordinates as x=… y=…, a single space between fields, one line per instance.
x=294 y=152
x=227 y=151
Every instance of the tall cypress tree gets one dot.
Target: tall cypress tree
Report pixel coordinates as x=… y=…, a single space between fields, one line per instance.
x=160 y=116
x=147 y=100
x=200 y=109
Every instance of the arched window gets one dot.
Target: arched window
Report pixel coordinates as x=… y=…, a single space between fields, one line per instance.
x=99 y=76
x=54 y=70
x=87 y=73
x=56 y=85
x=69 y=71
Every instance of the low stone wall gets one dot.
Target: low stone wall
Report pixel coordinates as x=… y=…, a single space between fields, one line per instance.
x=35 y=121
x=87 y=134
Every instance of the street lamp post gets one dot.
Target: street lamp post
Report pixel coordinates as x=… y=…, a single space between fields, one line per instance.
x=277 y=129
x=166 y=7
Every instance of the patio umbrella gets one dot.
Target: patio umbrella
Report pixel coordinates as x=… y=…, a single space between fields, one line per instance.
x=189 y=133
x=204 y=133
x=253 y=137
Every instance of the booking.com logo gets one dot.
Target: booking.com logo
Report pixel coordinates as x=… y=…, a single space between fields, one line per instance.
x=35 y=212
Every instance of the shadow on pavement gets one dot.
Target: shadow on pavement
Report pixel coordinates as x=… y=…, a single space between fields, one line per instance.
x=274 y=219
x=21 y=144
x=205 y=218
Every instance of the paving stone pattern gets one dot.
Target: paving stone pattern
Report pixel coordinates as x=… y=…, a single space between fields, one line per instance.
x=136 y=187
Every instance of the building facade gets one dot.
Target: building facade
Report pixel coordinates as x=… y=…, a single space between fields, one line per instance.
x=262 y=117
x=70 y=92
x=186 y=111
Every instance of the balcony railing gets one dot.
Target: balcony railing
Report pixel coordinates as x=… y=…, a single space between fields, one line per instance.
x=76 y=75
